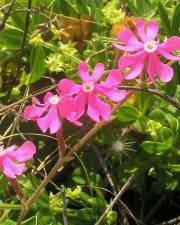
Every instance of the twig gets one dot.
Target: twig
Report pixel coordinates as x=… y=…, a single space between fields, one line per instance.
x=6 y=15
x=162 y=95
x=64 y=205
x=121 y=192
x=171 y=222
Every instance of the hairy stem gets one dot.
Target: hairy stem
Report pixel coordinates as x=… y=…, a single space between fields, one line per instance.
x=17 y=188
x=61 y=144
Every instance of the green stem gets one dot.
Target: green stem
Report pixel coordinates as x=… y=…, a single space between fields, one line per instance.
x=10 y=206
x=19 y=206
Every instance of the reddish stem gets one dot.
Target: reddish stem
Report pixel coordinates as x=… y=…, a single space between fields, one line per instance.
x=61 y=143
x=17 y=188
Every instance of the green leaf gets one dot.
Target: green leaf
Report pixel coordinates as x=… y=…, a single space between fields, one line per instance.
x=132 y=8
x=140 y=6
x=171 y=86
x=154 y=147
x=37 y=63
x=175 y=167
x=12 y=37
x=78 y=177
x=111 y=217
x=97 y=203
x=144 y=101
x=128 y=113
x=166 y=136
x=157 y=115
x=9 y=222
x=174 y=123
x=164 y=18
x=3 y=183
x=176 y=21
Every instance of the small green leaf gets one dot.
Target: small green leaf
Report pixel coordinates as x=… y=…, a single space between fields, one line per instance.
x=97 y=203
x=128 y=113
x=111 y=217
x=175 y=167
x=164 y=18
x=173 y=122
x=176 y=21
x=154 y=147
x=9 y=222
x=3 y=183
x=37 y=63
x=166 y=136
x=144 y=101
x=157 y=115
x=78 y=177
x=12 y=37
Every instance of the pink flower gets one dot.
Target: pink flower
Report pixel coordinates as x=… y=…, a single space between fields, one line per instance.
x=50 y=113
x=12 y=160
x=88 y=92
x=146 y=52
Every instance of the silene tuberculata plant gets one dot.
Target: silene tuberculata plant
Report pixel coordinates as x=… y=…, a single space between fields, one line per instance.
x=96 y=93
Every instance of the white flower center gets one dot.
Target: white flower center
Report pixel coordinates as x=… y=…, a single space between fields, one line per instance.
x=54 y=100
x=150 y=46
x=88 y=86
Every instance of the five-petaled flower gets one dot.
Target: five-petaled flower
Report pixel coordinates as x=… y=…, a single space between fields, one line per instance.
x=12 y=159
x=50 y=113
x=146 y=52
x=88 y=92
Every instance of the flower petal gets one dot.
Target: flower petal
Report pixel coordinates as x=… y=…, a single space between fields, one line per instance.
x=23 y=153
x=11 y=169
x=157 y=68
x=128 y=48
x=114 y=78
x=72 y=109
x=33 y=112
x=152 y=29
x=67 y=87
x=47 y=96
x=50 y=121
x=135 y=62
x=151 y=67
x=11 y=148
x=168 y=56
x=83 y=71
x=164 y=71
x=97 y=108
x=112 y=93
x=141 y=29
x=171 y=44
x=98 y=71
x=129 y=39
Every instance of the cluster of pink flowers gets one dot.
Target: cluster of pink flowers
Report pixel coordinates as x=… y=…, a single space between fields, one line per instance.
x=93 y=97
x=146 y=51
x=71 y=99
